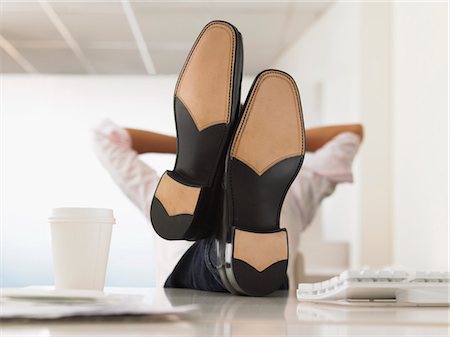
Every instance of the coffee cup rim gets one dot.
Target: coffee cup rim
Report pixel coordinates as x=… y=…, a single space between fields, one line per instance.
x=81 y=214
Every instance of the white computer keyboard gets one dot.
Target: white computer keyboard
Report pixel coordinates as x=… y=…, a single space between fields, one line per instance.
x=382 y=286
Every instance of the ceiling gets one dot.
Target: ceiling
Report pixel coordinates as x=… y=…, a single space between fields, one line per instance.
x=139 y=37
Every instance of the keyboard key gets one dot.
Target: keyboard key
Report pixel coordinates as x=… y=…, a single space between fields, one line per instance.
x=400 y=275
x=325 y=284
x=334 y=281
x=349 y=274
x=385 y=276
x=305 y=287
x=368 y=274
x=317 y=286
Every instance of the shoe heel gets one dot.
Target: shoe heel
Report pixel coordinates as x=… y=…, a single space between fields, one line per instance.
x=173 y=207
x=257 y=262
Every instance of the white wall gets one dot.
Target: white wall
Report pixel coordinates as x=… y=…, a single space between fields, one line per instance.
x=420 y=129
x=47 y=161
x=384 y=65
x=374 y=247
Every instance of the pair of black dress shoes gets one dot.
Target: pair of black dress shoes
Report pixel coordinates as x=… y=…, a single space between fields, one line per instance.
x=234 y=163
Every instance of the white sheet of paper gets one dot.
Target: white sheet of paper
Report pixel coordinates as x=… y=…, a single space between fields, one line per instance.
x=46 y=303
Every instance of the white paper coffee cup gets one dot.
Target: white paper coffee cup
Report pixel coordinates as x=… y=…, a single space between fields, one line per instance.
x=80 y=243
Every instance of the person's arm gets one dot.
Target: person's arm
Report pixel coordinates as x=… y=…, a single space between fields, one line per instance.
x=318 y=137
x=147 y=141
x=137 y=179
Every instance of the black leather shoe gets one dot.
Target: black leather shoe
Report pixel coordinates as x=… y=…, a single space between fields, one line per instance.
x=264 y=158
x=206 y=103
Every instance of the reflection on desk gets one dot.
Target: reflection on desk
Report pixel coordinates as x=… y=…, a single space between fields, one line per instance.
x=226 y=315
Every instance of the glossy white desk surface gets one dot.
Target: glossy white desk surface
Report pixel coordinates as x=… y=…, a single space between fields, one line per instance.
x=227 y=315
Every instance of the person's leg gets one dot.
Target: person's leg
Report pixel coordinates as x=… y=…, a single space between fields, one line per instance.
x=197 y=269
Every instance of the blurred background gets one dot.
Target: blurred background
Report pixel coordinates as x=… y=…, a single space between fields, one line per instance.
x=66 y=65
